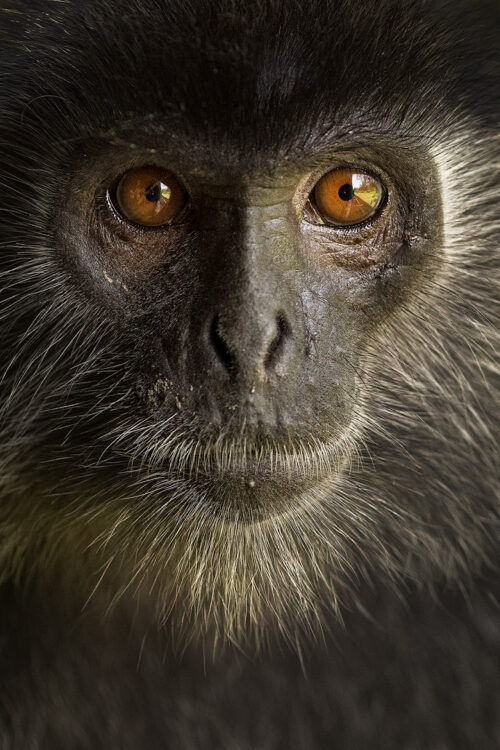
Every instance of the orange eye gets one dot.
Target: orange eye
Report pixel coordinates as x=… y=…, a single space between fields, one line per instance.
x=150 y=196
x=345 y=196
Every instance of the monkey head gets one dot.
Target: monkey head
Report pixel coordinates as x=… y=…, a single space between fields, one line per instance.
x=244 y=287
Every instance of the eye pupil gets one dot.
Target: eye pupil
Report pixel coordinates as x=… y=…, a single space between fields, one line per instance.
x=346 y=192
x=157 y=191
x=153 y=193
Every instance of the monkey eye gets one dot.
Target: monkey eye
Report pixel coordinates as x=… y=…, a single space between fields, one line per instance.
x=149 y=196
x=345 y=197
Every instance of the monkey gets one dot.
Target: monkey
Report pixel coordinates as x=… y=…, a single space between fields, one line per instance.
x=248 y=374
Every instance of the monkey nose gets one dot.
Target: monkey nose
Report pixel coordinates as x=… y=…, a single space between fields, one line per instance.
x=252 y=352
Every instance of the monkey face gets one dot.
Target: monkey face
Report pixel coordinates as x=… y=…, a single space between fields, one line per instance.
x=243 y=298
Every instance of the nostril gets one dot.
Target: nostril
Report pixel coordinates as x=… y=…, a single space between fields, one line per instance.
x=277 y=346
x=223 y=351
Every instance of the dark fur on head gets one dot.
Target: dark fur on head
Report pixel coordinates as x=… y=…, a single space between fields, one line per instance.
x=411 y=488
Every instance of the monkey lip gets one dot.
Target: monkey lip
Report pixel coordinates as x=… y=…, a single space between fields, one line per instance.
x=250 y=465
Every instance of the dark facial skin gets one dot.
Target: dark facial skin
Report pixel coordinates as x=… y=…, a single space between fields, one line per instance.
x=245 y=321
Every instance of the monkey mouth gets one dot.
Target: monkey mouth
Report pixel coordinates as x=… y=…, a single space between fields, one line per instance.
x=246 y=487
x=247 y=474
x=247 y=462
